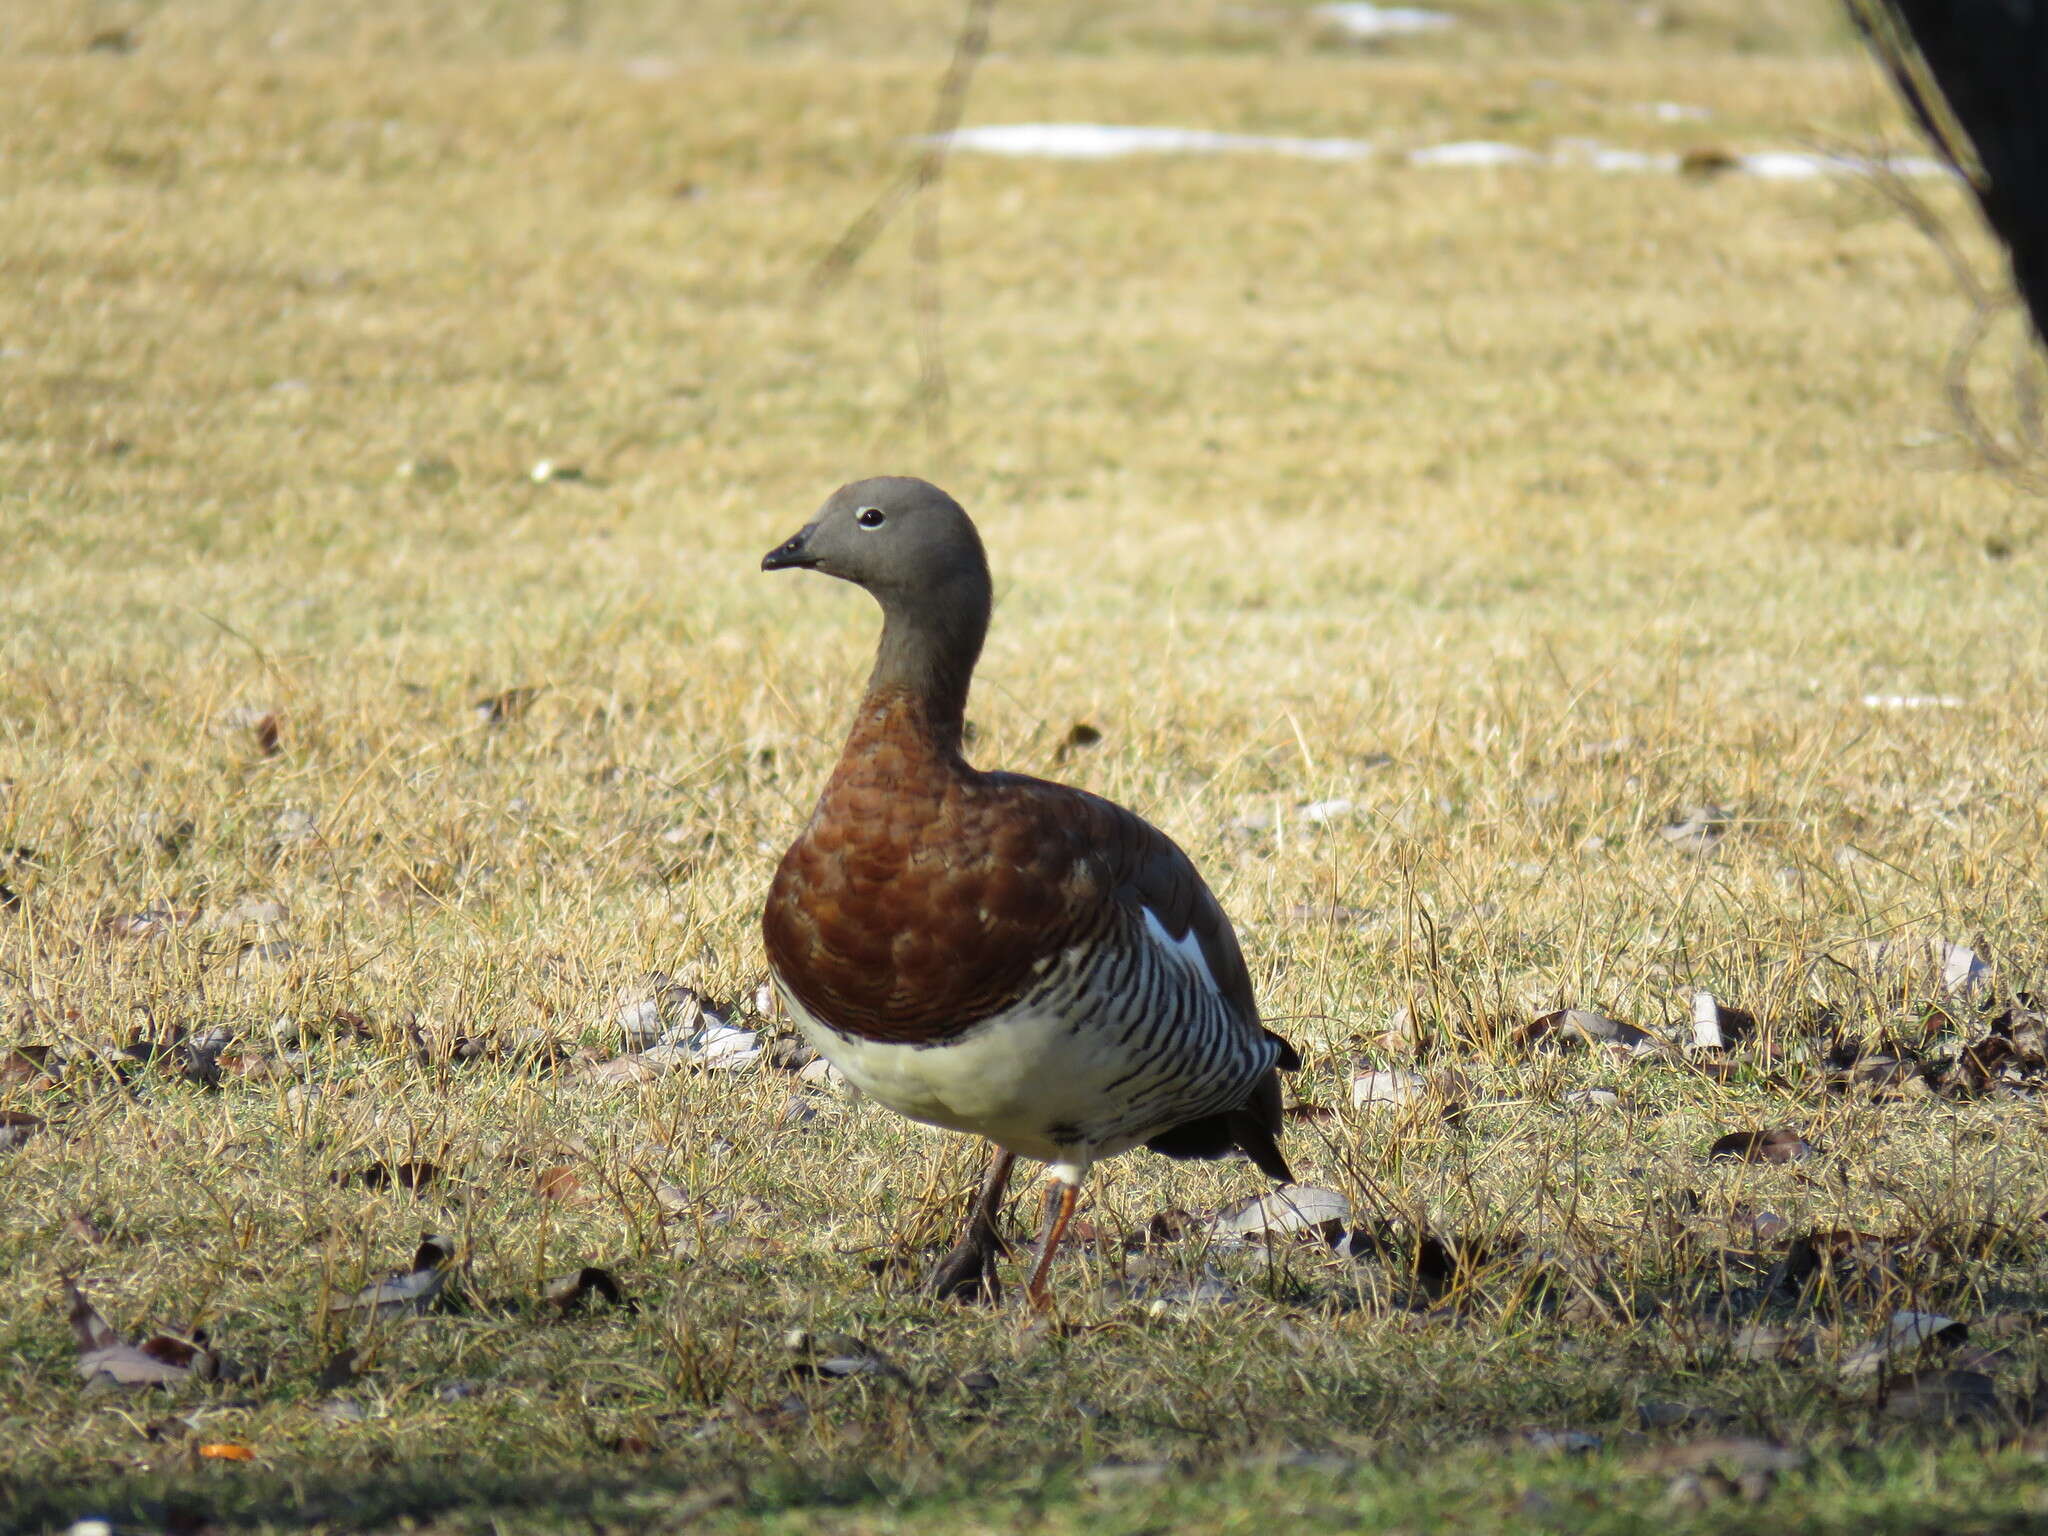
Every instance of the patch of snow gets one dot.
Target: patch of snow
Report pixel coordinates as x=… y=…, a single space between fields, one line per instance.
x=1911 y=701
x=1595 y=156
x=1115 y=141
x=1474 y=152
x=1362 y=20
x=1802 y=165
x=1110 y=141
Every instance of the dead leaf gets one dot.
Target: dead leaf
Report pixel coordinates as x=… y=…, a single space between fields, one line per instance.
x=162 y=1360
x=1557 y=1442
x=151 y=923
x=16 y=1128
x=1783 y=1145
x=837 y=1356
x=560 y=1183
x=570 y=1293
x=1940 y=1395
x=1373 y=1088
x=1165 y=1287
x=1328 y=914
x=35 y=1064
x=715 y=1047
x=823 y=1074
x=1290 y=1208
x=502 y=708
x=1114 y=1474
x=410 y=1175
x=1696 y=828
x=1724 y=1453
x=1079 y=738
x=411 y=1290
x=1694 y=1492
x=338 y=1372
x=1904 y=1334
x=226 y=1450
x=1963 y=972
x=1593 y=1098
x=1562 y=1025
x=1658 y=1413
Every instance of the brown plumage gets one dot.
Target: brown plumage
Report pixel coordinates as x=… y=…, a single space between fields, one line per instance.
x=992 y=952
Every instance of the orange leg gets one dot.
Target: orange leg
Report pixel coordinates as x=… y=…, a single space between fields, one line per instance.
x=1060 y=1199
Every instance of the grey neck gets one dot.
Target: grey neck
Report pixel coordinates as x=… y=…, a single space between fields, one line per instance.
x=928 y=651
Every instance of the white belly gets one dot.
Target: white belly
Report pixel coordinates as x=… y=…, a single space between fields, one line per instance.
x=1016 y=1079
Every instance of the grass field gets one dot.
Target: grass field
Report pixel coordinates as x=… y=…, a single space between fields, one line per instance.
x=1528 y=511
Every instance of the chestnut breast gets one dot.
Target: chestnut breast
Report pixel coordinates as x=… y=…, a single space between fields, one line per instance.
x=920 y=896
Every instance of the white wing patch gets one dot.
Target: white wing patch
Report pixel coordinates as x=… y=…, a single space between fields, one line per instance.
x=1184 y=951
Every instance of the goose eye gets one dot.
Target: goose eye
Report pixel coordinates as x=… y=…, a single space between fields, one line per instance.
x=870 y=517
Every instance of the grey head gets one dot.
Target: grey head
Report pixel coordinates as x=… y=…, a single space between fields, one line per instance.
x=893 y=535
x=915 y=549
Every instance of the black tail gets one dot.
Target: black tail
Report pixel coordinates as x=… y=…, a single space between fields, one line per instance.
x=1253 y=1129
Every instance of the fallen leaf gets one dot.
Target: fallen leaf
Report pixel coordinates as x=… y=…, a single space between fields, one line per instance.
x=84 y=1228
x=1109 y=1476
x=1328 y=914
x=837 y=1356
x=1962 y=971
x=1940 y=1395
x=1657 y=1413
x=293 y=826
x=621 y=1071
x=559 y=1183
x=338 y=1372
x=822 y=1073
x=162 y=1360
x=1079 y=738
x=151 y=923
x=16 y=1128
x=1904 y=1333
x=1165 y=1288
x=790 y=1053
x=1725 y=1453
x=1562 y=1025
x=1593 y=1098
x=410 y=1290
x=36 y=1064
x=226 y=1450
x=1373 y=1088
x=1695 y=1492
x=504 y=707
x=659 y=1008
x=410 y=1175
x=1783 y=1145
x=1290 y=1208
x=569 y=1293
x=1696 y=828
x=1558 y=1442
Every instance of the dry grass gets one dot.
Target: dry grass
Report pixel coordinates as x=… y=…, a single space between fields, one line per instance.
x=1302 y=481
